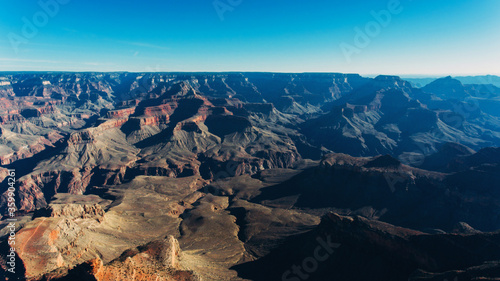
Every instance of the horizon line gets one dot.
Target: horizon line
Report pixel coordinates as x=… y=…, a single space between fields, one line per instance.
x=416 y=76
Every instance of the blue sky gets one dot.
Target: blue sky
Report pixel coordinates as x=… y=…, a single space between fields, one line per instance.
x=422 y=36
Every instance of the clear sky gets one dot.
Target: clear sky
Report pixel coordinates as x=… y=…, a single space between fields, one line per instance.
x=422 y=36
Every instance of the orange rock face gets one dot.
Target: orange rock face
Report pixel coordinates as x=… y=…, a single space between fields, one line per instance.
x=164 y=109
x=158 y=260
x=121 y=113
x=30 y=242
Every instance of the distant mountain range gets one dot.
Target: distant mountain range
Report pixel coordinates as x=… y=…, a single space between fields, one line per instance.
x=484 y=79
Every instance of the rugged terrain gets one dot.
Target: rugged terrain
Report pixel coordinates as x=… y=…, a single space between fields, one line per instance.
x=215 y=176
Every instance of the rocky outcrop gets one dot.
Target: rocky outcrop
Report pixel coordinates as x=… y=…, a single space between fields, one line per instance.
x=164 y=109
x=121 y=113
x=74 y=211
x=151 y=120
x=81 y=138
x=158 y=260
x=89 y=135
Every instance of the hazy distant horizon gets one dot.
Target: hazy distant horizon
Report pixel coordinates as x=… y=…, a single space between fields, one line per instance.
x=369 y=75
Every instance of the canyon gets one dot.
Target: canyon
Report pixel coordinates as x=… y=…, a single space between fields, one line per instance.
x=240 y=176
